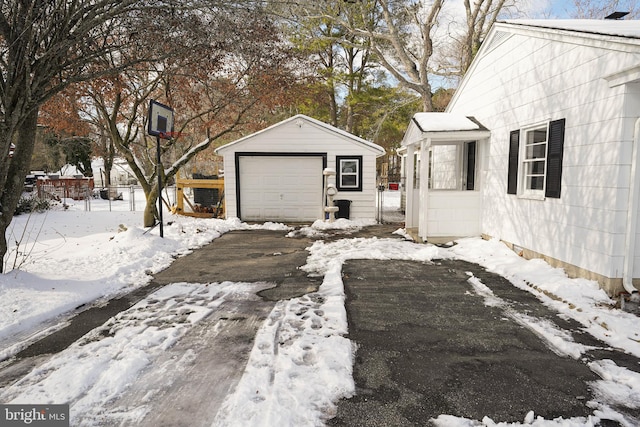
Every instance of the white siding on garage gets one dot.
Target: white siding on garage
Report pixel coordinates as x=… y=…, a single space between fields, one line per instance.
x=302 y=136
x=280 y=188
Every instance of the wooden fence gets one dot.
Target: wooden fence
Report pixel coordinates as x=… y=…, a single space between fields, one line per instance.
x=207 y=198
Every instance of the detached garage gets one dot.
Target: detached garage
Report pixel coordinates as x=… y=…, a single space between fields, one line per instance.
x=276 y=174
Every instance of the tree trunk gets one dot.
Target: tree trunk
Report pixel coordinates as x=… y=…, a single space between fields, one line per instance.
x=151 y=210
x=108 y=156
x=427 y=101
x=18 y=168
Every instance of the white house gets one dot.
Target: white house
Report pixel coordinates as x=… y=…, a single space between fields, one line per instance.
x=557 y=175
x=277 y=174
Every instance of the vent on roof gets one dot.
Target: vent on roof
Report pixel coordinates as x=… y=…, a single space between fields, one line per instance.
x=617 y=15
x=497 y=38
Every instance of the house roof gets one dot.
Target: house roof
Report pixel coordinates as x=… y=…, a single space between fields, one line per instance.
x=622 y=36
x=445 y=122
x=301 y=118
x=443 y=127
x=607 y=27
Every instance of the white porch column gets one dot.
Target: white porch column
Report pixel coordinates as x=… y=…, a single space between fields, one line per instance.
x=425 y=145
x=409 y=165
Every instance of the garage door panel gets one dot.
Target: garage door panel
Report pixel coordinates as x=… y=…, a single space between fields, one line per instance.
x=271 y=181
x=280 y=188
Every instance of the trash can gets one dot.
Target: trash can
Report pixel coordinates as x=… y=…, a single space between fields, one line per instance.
x=205 y=196
x=344 y=206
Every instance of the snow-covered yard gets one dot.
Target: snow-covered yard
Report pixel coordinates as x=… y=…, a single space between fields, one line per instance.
x=67 y=258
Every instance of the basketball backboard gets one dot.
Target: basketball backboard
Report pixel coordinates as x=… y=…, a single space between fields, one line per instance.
x=160 y=122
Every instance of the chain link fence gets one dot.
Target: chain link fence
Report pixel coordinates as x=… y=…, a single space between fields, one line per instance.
x=112 y=198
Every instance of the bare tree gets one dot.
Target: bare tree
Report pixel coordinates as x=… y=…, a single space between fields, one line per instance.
x=342 y=60
x=399 y=34
x=480 y=17
x=234 y=65
x=598 y=9
x=404 y=43
x=44 y=47
x=416 y=42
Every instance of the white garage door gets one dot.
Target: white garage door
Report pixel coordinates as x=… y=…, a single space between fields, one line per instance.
x=280 y=188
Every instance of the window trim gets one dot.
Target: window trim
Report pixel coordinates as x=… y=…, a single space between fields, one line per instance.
x=523 y=191
x=358 y=173
x=554 y=154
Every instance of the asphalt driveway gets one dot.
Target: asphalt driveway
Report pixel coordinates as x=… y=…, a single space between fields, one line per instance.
x=427 y=344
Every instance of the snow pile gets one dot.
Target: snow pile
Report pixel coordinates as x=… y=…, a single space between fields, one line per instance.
x=580 y=299
x=323 y=254
x=529 y=420
x=300 y=365
x=101 y=366
x=322 y=228
x=76 y=258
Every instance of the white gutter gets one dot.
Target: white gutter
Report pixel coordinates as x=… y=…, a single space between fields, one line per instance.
x=632 y=214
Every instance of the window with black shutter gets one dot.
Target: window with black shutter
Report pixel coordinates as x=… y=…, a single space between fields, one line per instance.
x=554 y=158
x=471 y=166
x=514 y=148
x=535 y=160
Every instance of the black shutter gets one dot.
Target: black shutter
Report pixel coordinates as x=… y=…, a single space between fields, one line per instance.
x=471 y=165
x=554 y=159
x=514 y=148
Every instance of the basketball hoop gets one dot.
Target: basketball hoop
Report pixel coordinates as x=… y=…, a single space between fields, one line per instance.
x=160 y=120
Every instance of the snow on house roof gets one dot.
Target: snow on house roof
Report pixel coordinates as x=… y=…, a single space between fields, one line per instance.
x=444 y=122
x=608 y=27
x=443 y=128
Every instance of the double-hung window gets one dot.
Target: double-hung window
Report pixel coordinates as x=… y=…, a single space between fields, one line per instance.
x=349 y=173
x=535 y=160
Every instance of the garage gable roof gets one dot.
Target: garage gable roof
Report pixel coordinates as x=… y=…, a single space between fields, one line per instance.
x=300 y=120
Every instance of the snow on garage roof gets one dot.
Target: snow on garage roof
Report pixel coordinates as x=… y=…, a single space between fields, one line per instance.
x=300 y=118
x=609 y=27
x=444 y=122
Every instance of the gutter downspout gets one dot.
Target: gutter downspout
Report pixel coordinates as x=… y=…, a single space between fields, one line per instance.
x=632 y=214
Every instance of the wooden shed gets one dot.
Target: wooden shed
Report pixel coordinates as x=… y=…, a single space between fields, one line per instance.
x=277 y=174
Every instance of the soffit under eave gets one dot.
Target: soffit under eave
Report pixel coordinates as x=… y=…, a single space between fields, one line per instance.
x=449 y=137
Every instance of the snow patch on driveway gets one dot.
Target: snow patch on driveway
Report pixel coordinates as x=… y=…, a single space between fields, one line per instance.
x=104 y=363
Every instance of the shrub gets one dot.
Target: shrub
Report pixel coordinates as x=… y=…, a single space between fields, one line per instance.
x=32 y=204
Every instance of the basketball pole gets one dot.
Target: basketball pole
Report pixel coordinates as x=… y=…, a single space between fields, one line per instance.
x=160 y=119
x=159 y=184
